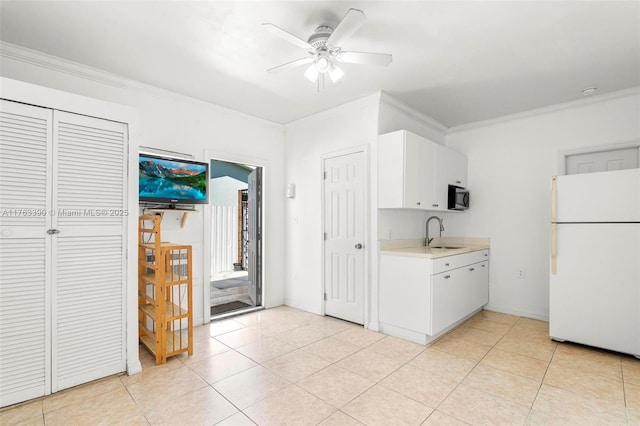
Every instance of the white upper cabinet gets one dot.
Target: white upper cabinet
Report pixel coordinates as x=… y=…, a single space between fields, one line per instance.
x=451 y=169
x=414 y=172
x=406 y=163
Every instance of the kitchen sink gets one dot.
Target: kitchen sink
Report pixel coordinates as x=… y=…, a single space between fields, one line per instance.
x=446 y=247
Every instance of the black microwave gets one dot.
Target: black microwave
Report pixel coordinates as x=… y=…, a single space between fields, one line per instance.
x=458 y=198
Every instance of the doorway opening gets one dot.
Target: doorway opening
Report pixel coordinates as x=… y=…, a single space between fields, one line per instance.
x=236 y=242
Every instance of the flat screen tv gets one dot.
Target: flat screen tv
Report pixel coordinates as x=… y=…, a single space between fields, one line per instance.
x=172 y=181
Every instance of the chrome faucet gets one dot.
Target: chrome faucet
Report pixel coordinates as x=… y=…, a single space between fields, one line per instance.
x=428 y=240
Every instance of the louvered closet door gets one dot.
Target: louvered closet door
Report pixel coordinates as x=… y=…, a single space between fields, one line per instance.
x=89 y=179
x=25 y=203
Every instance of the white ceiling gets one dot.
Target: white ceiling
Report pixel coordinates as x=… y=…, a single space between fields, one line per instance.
x=457 y=61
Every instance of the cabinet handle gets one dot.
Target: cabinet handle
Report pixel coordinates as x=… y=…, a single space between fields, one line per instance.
x=458 y=181
x=434 y=205
x=472 y=269
x=483 y=265
x=418 y=203
x=446 y=277
x=446 y=264
x=486 y=255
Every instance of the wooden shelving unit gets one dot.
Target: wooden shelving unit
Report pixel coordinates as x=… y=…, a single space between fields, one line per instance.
x=165 y=316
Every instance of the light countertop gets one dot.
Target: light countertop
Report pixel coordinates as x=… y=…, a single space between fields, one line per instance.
x=415 y=248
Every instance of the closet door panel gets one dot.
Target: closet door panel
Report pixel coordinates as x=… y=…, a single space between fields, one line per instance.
x=89 y=251
x=25 y=299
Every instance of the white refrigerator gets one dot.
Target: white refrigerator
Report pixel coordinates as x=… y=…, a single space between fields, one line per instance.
x=595 y=260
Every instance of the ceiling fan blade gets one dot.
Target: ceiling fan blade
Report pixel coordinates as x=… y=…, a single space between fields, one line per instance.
x=365 y=58
x=353 y=19
x=285 y=35
x=292 y=64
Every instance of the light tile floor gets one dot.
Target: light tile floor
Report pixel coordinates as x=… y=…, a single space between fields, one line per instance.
x=285 y=366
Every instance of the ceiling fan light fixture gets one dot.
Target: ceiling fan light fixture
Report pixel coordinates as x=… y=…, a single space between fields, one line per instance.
x=335 y=73
x=323 y=62
x=312 y=73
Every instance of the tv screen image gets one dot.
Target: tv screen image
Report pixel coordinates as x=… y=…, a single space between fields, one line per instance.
x=172 y=180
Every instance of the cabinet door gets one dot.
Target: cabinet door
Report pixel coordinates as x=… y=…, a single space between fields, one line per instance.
x=391 y=170
x=414 y=174
x=481 y=287
x=406 y=172
x=419 y=172
x=451 y=169
x=25 y=296
x=444 y=300
x=473 y=288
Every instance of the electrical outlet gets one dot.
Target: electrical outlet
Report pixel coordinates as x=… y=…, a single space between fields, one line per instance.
x=520 y=274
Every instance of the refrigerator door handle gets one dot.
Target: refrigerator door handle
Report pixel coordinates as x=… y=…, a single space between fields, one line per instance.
x=554 y=231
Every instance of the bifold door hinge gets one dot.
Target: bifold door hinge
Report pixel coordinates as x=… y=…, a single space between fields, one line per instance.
x=325 y=296
x=325 y=236
x=324 y=175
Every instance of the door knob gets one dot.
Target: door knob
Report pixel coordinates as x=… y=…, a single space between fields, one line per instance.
x=358 y=246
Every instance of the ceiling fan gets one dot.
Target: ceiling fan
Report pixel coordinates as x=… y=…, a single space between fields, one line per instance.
x=324 y=49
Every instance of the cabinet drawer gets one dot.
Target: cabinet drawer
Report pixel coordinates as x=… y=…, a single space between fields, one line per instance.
x=447 y=263
x=472 y=257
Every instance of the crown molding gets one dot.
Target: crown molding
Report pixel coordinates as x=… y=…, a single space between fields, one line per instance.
x=85 y=72
x=44 y=60
x=633 y=91
x=412 y=113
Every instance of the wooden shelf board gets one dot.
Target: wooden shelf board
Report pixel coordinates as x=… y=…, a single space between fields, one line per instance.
x=173 y=337
x=172 y=311
x=170 y=280
x=149 y=343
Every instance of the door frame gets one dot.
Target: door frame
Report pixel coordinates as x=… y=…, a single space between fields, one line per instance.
x=206 y=228
x=364 y=149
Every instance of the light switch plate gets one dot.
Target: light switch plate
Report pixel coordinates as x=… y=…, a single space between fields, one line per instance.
x=291 y=190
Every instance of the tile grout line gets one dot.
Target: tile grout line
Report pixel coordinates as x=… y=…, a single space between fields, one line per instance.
x=474 y=367
x=546 y=370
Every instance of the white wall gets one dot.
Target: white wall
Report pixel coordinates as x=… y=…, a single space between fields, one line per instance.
x=224 y=191
x=307 y=140
x=185 y=125
x=511 y=162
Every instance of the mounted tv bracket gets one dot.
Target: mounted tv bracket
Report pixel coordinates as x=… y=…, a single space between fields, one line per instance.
x=161 y=212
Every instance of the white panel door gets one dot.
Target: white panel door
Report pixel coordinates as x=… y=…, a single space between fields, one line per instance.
x=344 y=236
x=617 y=159
x=89 y=256
x=25 y=203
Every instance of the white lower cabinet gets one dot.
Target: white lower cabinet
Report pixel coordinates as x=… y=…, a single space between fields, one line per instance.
x=421 y=297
